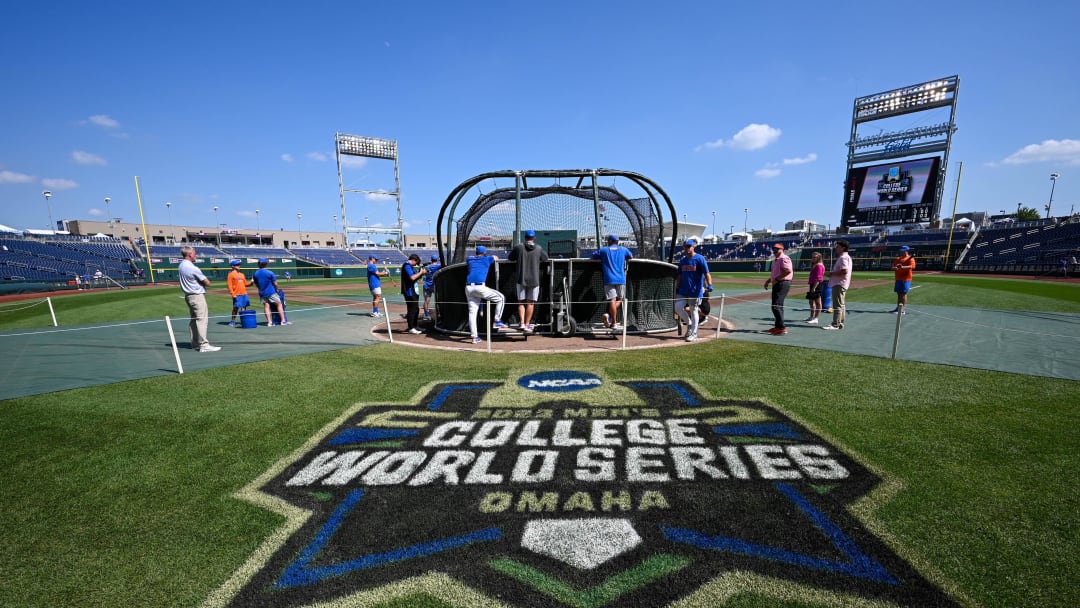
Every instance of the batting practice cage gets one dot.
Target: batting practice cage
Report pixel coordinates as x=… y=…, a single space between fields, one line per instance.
x=572 y=212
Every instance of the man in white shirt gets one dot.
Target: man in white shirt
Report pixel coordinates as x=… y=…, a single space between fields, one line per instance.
x=194 y=283
x=839 y=281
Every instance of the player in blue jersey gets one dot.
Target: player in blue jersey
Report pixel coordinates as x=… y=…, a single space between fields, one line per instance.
x=476 y=290
x=694 y=280
x=613 y=260
x=412 y=273
x=374 y=284
x=429 y=283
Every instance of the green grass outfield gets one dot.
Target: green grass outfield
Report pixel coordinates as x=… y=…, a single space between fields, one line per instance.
x=122 y=495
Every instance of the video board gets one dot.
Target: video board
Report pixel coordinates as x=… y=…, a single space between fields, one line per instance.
x=891 y=193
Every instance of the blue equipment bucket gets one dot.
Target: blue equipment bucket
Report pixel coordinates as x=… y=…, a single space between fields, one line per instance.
x=248 y=320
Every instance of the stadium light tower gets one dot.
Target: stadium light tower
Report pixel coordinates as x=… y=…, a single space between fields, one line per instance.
x=746 y=218
x=1053 y=182
x=335 y=222
x=48 y=194
x=368 y=147
x=298 y=237
x=107 y=216
x=168 y=206
x=714 y=225
x=258 y=228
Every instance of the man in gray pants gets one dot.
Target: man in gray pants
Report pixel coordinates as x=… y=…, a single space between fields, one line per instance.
x=529 y=256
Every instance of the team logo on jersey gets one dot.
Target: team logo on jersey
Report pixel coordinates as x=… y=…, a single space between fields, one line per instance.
x=567 y=489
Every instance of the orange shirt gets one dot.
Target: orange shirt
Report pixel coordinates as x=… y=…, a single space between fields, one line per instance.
x=237 y=283
x=904 y=267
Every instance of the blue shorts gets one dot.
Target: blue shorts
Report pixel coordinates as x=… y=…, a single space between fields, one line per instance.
x=902 y=287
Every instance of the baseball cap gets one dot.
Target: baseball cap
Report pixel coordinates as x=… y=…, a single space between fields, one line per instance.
x=373 y=257
x=481 y=249
x=689 y=243
x=262 y=260
x=234 y=262
x=530 y=234
x=779 y=246
x=434 y=257
x=905 y=248
x=613 y=238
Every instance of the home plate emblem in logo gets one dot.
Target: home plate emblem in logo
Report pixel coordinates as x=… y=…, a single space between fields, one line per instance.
x=566 y=488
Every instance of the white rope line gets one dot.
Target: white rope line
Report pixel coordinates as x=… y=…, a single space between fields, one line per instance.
x=992 y=327
x=56 y=331
x=38 y=303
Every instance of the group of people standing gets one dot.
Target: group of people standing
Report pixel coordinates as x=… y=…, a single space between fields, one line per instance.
x=838 y=280
x=194 y=283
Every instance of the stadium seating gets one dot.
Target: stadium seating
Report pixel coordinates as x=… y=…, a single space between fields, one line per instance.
x=328 y=256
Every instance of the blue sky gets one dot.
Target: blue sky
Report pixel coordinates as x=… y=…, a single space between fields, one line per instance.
x=236 y=104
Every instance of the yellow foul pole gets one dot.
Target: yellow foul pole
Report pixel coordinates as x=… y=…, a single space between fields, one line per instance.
x=142 y=220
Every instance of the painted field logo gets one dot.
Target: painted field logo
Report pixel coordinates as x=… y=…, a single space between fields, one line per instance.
x=568 y=489
x=560 y=381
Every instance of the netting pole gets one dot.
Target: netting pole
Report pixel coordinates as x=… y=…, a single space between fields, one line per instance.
x=720 y=316
x=172 y=339
x=487 y=323
x=626 y=304
x=386 y=309
x=896 y=336
x=51 y=311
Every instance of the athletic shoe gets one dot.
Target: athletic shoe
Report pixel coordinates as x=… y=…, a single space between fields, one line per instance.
x=232 y=323
x=895 y=310
x=209 y=349
x=809 y=320
x=287 y=323
x=530 y=328
x=476 y=340
x=778 y=331
x=607 y=320
x=691 y=337
x=829 y=327
x=616 y=327
x=427 y=317
x=812 y=321
x=415 y=331
x=500 y=325
x=375 y=314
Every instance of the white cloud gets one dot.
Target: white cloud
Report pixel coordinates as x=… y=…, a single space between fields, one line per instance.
x=1052 y=150
x=286 y=157
x=353 y=161
x=11 y=177
x=809 y=158
x=319 y=156
x=767 y=172
x=752 y=137
x=86 y=158
x=56 y=183
x=102 y=120
x=95 y=212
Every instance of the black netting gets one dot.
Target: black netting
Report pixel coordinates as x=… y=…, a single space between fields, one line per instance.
x=580 y=210
x=650 y=291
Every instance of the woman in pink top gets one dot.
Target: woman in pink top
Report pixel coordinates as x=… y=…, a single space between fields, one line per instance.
x=817 y=276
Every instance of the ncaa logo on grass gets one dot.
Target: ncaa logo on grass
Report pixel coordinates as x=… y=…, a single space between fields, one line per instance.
x=568 y=489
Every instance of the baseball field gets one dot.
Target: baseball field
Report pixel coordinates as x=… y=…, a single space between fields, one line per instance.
x=804 y=477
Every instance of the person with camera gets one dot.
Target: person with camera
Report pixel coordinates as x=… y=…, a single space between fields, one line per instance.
x=429 y=284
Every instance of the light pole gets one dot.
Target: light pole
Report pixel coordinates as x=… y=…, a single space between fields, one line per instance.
x=168 y=206
x=218 y=226
x=714 y=226
x=1053 y=182
x=731 y=232
x=107 y=216
x=258 y=228
x=335 y=223
x=746 y=218
x=48 y=194
x=298 y=237
x=429 y=232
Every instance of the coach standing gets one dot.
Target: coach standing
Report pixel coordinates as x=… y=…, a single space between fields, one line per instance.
x=194 y=284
